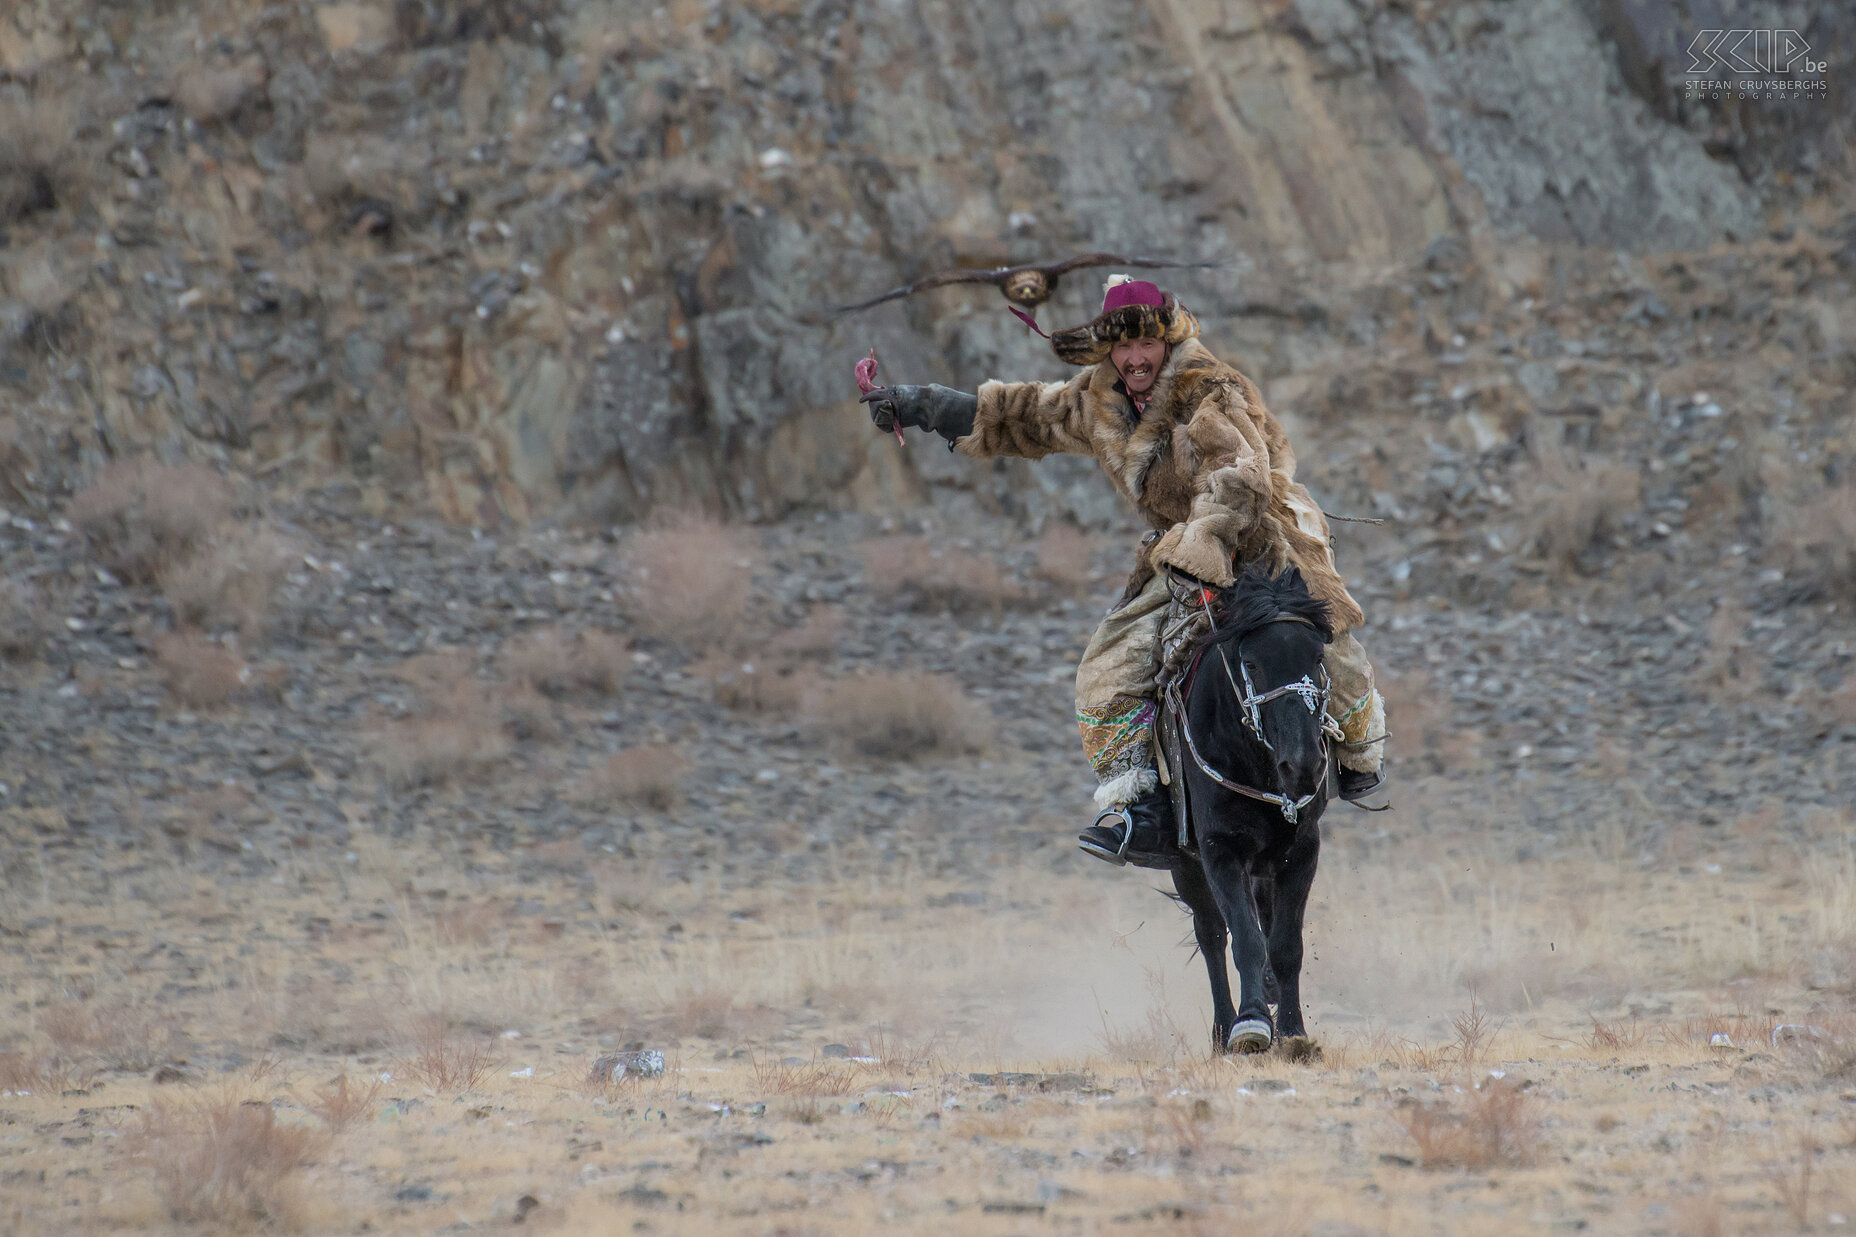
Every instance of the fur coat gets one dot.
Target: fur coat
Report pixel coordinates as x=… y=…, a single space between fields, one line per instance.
x=1206 y=465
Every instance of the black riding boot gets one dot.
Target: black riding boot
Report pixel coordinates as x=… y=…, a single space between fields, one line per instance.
x=1355 y=785
x=1143 y=834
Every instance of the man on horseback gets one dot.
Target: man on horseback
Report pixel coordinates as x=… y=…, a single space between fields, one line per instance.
x=1187 y=440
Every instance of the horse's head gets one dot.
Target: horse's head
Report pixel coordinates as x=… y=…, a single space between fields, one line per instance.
x=1271 y=633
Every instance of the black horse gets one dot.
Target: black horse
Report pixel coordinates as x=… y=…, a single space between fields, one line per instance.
x=1255 y=760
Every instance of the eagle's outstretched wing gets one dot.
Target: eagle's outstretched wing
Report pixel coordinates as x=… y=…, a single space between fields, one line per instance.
x=1083 y=260
x=931 y=281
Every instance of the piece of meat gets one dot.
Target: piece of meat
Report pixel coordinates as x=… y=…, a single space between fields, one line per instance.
x=866 y=383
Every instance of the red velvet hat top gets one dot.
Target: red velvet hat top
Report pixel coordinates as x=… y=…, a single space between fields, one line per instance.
x=1132 y=292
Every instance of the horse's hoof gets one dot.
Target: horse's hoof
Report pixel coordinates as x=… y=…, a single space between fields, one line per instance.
x=1250 y=1035
x=1299 y=1049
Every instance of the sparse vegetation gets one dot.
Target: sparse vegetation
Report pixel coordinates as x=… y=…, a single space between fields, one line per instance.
x=228 y=580
x=555 y=663
x=1495 y=1126
x=458 y=737
x=25 y=623
x=198 y=671
x=646 y=777
x=901 y=716
x=1573 y=502
x=689 y=582
x=143 y=517
x=225 y=1160
x=445 y=1058
x=342 y=1102
x=915 y=572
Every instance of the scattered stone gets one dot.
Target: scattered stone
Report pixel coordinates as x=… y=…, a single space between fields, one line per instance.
x=836 y=1051
x=168 y=1074
x=524 y=1205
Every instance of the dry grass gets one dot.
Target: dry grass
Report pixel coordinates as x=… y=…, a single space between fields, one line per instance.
x=117 y=1033
x=689 y=580
x=227 y=580
x=903 y=716
x=199 y=672
x=39 y=171
x=459 y=737
x=1815 y=541
x=1615 y=1036
x=1496 y=1125
x=30 y=1073
x=225 y=1161
x=26 y=625
x=340 y=1103
x=555 y=663
x=811 y=1079
x=142 y=516
x=647 y=777
x=919 y=574
x=446 y=1060
x=1572 y=503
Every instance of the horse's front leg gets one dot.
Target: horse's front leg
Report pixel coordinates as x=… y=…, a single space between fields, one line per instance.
x=1294 y=878
x=1228 y=873
x=1208 y=931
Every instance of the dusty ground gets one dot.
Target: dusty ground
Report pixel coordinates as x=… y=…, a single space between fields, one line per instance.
x=889 y=991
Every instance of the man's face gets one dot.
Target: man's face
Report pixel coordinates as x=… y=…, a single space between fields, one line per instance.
x=1138 y=362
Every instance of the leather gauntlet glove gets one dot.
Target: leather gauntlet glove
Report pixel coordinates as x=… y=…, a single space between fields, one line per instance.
x=934 y=407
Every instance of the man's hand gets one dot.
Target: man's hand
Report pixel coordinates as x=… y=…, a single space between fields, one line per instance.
x=943 y=410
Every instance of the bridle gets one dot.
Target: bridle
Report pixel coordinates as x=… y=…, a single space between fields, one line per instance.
x=1314 y=696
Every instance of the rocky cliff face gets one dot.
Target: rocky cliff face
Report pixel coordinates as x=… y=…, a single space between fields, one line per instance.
x=560 y=258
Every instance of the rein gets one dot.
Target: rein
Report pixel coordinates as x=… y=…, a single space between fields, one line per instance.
x=1315 y=697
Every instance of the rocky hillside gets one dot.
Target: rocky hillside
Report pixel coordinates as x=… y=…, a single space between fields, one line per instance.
x=512 y=259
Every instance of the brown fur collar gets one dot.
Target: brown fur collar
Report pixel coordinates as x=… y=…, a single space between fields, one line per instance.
x=1129 y=444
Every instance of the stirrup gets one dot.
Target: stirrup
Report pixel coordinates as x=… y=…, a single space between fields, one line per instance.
x=1118 y=856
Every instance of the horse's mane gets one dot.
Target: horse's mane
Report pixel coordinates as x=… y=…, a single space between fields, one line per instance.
x=1257 y=597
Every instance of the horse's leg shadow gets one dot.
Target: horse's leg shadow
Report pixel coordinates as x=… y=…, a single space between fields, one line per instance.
x=1209 y=931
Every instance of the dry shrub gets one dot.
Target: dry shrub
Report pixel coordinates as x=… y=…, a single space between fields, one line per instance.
x=1614 y=1036
x=142 y=516
x=26 y=625
x=817 y=636
x=1475 y=1030
x=1066 y=557
x=225 y=1161
x=556 y=663
x=647 y=777
x=901 y=716
x=812 y=1078
x=228 y=580
x=921 y=575
x=341 y=1103
x=1816 y=542
x=31 y=1073
x=445 y=1059
x=199 y=672
x=1496 y=1126
x=38 y=169
x=1572 y=503
x=529 y=714
x=459 y=737
x=688 y=582
x=118 y=1034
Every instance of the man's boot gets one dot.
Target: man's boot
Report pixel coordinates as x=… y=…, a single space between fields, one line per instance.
x=1141 y=833
x=1355 y=785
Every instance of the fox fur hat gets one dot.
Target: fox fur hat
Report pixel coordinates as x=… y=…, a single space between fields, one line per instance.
x=1131 y=309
